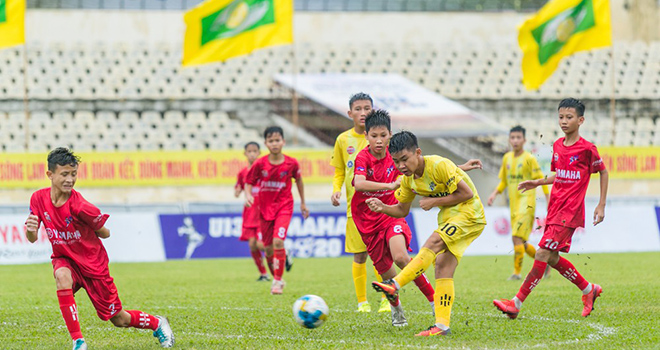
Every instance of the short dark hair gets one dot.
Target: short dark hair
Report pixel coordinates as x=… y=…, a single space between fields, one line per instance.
x=360 y=96
x=251 y=143
x=403 y=140
x=62 y=156
x=517 y=128
x=378 y=117
x=572 y=103
x=273 y=130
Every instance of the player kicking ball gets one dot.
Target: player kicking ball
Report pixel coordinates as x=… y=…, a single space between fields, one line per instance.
x=273 y=173
x=74 y=228
x=460 y=221
x=387 y=239
x=574 y=159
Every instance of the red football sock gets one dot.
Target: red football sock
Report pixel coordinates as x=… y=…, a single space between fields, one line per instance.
x=532 y=280
x=278 y=263
x=425 y=287
x=259 y=261
x=69 y=312
x=269 y=261
x=143 y=320
x=566 y=269
x=396 y=302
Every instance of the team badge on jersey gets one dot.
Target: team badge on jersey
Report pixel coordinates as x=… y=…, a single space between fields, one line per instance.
x=556 y=157
x=370 y=172
x=47 y=216
x=360 y=168
x=390 y=169
x=283 y=173
x=264 y=173
x=350 y=149
x=572 y=159
x=68 y=220
x=349 y=164
x=432 y=185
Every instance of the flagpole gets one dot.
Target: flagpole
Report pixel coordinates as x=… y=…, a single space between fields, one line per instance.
x=26 y=106
x=613 y=94
x=294 y=97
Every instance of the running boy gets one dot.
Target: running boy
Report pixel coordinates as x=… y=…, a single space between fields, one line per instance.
x=387 y=239
x=74 y=228
x=347 y=146
x=574 y=160
x=273 y=173
x=250 y=228
x=460 y=221
x=517 y=166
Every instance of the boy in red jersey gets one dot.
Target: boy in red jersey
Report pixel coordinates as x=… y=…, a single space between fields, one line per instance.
x=574 y=160
x=273 y=173
x=250 y=232
x=387 y=239
x=79 y=259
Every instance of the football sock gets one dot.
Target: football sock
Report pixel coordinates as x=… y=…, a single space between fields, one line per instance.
x=425 y=287
x=279 y=261
x=360 y=281
x=532 y=280
x=269 y=262
x=143 y=320
x=416 y=267
x=259 y=261
x=444 y=299
x=69 y=312
x=518 y=255
x=517 y=302
x=566 y=269
x=396 y=302
x=530 y=250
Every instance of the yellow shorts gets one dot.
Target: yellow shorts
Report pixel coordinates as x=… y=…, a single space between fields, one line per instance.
x=522 y=225
x=354 y=242
x=458 y=237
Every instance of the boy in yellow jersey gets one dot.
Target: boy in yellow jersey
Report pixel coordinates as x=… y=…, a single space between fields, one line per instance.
x=518 y=166
x=460 y=221
x=347 y=146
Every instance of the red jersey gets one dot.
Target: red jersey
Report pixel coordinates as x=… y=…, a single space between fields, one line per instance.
x=376 y=170
x=71 y=231
x=275 y=196
x=573 y=166
x=250 y=214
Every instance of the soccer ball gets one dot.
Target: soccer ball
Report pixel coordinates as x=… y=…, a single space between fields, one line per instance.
x=310 y=311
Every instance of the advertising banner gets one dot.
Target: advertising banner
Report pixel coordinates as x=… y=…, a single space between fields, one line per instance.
x=631 y=162
x=14 y=246
x=121 y=169
x=216 y=236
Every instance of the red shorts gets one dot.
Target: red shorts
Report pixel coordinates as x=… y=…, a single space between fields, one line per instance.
x=250 y=232
x=557 y=238
x=275 y=228
x=102 y=292
x=378 y=244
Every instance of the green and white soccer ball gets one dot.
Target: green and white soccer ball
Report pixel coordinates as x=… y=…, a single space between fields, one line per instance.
x=310 y=311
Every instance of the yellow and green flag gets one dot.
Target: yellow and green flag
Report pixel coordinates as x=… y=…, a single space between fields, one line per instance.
x=12 y=23
x=559 y=29
x=217 y=30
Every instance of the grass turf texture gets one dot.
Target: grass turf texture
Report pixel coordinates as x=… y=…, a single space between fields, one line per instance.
x=216 y=304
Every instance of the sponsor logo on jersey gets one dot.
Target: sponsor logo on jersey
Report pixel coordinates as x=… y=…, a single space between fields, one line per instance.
x=264 y=173
x=451 y=180
x=47 y=216
x=597 y=162
x=98 y=218
x=66 y=236
x=349 y=164
x=350 y=149
x=568 y=174
x=572 y=159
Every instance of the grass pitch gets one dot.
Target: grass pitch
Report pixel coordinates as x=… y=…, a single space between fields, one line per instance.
x=216 y=304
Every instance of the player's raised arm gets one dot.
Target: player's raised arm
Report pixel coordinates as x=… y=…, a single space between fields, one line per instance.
x=103 y=232
x=399 y=210
x=460 y=195
x=471 y=165
x=32 y=228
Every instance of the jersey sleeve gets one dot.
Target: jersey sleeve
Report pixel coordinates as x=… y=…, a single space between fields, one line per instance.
x=553 y=164
x=404 y=193
x=240 y=180
x=502 y=185
x=252 y=176
x=447 y=172
x=537 y=173
x=89 y=214
x=361 y=165
x=337 y=160
x=595 y=162
x=34 y=209
x=295 y=170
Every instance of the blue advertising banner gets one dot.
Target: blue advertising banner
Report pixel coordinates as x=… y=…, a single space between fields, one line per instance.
x=201 y=236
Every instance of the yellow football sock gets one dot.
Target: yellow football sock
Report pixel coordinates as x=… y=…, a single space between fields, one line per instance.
x=416 y=267
x=529 y=249
x=443 y=300
x=518 y=255
x=379 y=279
x=360 y=281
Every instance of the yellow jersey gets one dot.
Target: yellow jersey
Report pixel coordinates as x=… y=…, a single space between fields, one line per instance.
x=441 y=177
x=515 y=170
x=348 y=145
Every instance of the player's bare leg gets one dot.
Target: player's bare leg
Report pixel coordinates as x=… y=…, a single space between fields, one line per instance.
x=401 y=258
x=359 y=272
x=279 y=261
x=68 y=307
x=142 y=320
x=258 y=258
